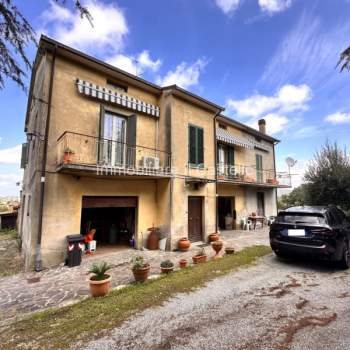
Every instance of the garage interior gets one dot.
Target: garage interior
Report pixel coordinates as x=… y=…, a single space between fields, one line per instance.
x=113 y=218
x=226 y=206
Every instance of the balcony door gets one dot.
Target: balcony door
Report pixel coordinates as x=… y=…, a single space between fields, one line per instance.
x=226 y=160
x=259 y=168
x=113 y=138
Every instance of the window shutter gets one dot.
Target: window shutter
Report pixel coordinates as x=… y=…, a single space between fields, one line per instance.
x=230 y=156
x=102 y=143
x=192 y=144
x=200 y=146
x=24 y=155
x=131 y=140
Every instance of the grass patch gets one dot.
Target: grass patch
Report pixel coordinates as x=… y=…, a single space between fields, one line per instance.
x=58 y=328
x=10 y=258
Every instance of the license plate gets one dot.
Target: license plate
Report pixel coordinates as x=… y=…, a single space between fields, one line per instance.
x=296 y=232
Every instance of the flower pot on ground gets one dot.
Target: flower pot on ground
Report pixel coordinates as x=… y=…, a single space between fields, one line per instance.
x=167 y=266
x=229 y=250
x=140 y=269
x=213 y=237
x=200 y=257
x=184 y=244
x=100 y=281
x=183 y=263
x=67 y=155
x=217 y=246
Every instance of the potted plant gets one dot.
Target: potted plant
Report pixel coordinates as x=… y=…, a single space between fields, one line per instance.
x=184 y=244
x=217 y=246
x=183 y=263
x=229 y=250
x=67 y=155
x=100 y=281
x=213 y=237
x=200 y=257
x=140 y=269
x=167 y=266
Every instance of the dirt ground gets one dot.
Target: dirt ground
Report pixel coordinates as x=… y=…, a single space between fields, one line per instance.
x=277 y=304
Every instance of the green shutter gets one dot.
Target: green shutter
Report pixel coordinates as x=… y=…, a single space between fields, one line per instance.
x=230 y=156
x=200 y=146
x=24 y=156
x=259 y=167
x=131 y=140
x=192 y=145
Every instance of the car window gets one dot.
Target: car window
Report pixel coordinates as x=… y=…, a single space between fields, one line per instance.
x=300 y=218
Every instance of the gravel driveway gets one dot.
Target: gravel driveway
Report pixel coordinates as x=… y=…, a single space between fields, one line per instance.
x=273 y=305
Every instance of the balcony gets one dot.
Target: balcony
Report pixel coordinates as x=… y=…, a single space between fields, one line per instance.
x=249 y=175
x=79 y=153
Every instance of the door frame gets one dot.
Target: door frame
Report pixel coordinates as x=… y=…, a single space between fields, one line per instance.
x=233 y=206
x=202 y=198
x=258 y=193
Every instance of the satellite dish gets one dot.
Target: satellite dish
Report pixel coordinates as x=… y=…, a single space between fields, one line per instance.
x=290 y=162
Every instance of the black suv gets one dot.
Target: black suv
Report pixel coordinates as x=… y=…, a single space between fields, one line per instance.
x=319 y=231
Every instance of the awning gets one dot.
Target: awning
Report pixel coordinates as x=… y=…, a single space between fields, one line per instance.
x=224 y=136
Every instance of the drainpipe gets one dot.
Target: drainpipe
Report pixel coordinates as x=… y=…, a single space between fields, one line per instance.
x=216 y=173
x=274 y=162
x=38 y=262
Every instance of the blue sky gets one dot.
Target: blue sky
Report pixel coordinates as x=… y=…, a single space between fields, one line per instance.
x=272 y=59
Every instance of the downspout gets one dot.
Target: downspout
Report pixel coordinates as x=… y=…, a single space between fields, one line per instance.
x=274 y=163
x=38 y=262
x=216 y=173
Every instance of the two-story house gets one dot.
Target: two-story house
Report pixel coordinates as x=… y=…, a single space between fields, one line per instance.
x=110 y=151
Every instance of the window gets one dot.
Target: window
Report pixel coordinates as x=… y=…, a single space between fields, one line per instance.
x=115 y=86
x=195 y=146
x=300 y=218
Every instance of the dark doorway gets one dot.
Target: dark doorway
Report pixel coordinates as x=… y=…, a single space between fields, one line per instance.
x=260 y=196
x=226 y=207
x=113 y=218
x=195 y=219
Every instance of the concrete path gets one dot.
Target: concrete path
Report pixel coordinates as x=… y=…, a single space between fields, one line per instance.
x=62 y=285
x=275 y=305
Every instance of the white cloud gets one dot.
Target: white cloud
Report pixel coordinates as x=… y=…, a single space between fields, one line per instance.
x=275 y=123
x=11 y=155
x=108 y=32
x=184 y=75
x=135 y=64
x=227 y=6
x=287 y=99
x=338 y=118
x=8 y=183
x=309 y=53
x=305 y=132
x=273 y=6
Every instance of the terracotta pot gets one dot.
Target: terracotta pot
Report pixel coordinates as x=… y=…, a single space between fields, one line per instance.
x=153 y=239
x=184 y=244
x=198 y=259
x=229 y=250
x=213 y=237
x=217 y=246
x=167 y=269
x=100 y=288
x=141 y=275
x=183 y=263
x=67 y=157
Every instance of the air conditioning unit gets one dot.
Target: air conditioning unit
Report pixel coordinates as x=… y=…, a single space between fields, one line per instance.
x=150 y=162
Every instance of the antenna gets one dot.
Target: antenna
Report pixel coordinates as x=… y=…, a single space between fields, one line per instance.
x=290 y=163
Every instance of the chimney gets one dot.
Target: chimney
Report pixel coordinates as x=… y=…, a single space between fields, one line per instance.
x=262 y=126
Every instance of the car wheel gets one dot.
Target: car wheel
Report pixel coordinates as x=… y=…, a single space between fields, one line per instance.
x=345 y=260
x=280 y=254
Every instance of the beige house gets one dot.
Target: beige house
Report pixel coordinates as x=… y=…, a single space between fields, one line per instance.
x=111 y=151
